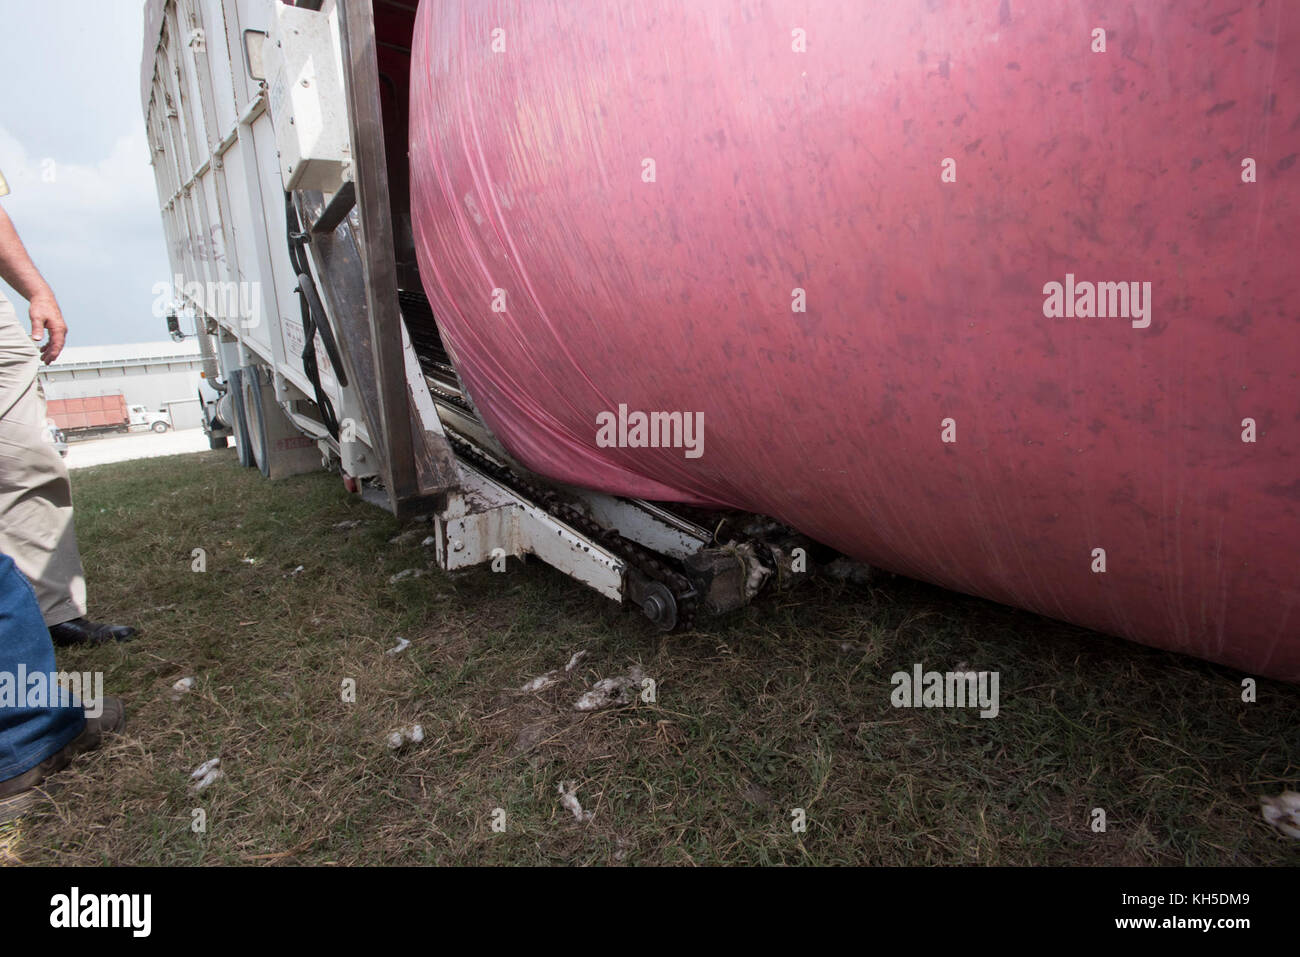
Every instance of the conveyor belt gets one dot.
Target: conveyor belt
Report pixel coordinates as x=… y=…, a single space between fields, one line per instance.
x=439 y=373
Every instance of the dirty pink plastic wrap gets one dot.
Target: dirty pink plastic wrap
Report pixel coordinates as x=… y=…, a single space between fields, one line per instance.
x=620 y=204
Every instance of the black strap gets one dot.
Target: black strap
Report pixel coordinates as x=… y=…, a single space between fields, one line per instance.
x=313 y=319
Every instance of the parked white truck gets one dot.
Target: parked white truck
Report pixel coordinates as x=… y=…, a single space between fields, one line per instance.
x=82 y=417
x=279 y=137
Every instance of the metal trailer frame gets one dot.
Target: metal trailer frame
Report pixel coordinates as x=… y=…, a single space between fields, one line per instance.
x=215 y=164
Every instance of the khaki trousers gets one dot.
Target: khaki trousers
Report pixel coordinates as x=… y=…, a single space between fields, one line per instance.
x=36 y=528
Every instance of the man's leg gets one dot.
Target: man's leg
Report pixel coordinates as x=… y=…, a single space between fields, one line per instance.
x=38 y=738
x=35 y=495
x=28 y=735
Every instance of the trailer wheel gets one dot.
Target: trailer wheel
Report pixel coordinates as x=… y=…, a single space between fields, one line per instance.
x=254 y=418
x=240 y=425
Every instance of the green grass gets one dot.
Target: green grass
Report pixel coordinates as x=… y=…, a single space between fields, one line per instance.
x=784 y=705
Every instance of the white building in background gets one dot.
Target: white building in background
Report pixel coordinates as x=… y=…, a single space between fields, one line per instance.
x=159 y=375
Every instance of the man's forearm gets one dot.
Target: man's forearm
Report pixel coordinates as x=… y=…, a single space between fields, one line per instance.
x=16 y=267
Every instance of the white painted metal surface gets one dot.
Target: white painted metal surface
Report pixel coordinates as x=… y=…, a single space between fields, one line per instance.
x=490 y=522
x=220 y=189
x=305 y=72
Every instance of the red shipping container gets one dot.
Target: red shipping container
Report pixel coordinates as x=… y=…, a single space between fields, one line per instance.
x=87 y=412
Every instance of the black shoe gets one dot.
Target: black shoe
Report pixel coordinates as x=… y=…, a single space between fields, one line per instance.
x=79 y=631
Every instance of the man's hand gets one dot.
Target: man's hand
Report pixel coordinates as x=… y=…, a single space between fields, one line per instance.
x=17 y=269
x=46 y=317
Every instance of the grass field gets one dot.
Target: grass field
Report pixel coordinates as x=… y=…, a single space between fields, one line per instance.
x=784 y=705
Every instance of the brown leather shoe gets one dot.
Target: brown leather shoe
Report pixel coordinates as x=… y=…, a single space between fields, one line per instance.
x=111 y=720
x=19 y=794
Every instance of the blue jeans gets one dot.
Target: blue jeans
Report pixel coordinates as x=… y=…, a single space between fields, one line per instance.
x=28 y=735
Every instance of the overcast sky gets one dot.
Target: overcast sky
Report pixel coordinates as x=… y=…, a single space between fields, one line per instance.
x=73 y=149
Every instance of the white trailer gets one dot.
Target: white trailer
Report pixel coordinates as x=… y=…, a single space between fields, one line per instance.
x=278 y=134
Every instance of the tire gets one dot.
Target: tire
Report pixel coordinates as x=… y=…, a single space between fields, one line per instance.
x=160 y=427
x=240 y=425
x=255 y=423
x=218 y=442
